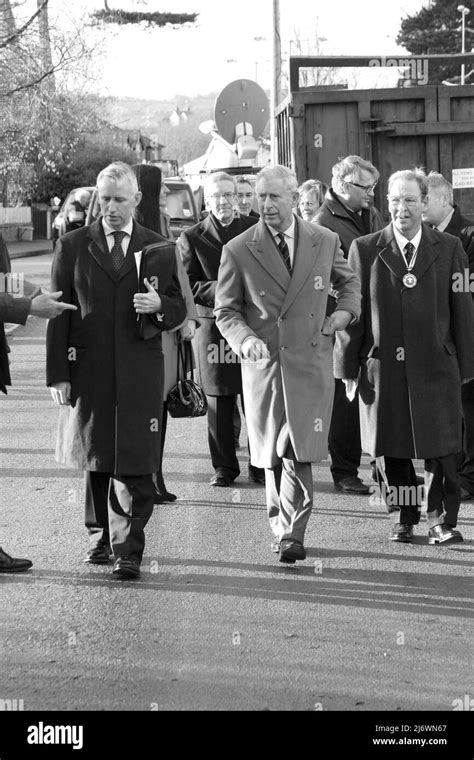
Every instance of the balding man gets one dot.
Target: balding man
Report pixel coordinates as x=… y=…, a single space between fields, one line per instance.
x=271 y=302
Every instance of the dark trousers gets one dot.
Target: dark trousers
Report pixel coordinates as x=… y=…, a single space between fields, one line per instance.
x=404 y=498
x=289 y=495
x=117 y=508
x=220 y=434
x=344 y=435
x=466 y=473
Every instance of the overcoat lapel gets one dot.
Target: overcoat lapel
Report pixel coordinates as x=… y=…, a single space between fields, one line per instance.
x=98 y=248
x=209 y=234
x=306 y=252
x=428 y=252
x=265 y=252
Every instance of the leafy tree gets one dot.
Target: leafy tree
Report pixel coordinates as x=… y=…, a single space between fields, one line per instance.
x=437 y=29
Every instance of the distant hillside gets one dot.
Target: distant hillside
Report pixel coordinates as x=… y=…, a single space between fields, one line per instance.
x=145 y=115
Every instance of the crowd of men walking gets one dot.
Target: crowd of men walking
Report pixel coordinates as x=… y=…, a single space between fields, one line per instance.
x=339 y=333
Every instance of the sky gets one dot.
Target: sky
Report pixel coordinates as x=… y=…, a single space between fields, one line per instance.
x=221 y=46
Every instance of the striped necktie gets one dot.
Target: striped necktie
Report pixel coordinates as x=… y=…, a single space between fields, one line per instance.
x=284 y=250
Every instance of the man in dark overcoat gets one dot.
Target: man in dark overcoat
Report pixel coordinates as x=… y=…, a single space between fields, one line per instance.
x=218 y=367
x=105 y=365
x=19 y=299
x=409 y=353
x=348 y=210
x=442 y=213
x=271 y=305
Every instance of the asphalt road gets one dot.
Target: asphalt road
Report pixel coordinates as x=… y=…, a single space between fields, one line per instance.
x=215 y=623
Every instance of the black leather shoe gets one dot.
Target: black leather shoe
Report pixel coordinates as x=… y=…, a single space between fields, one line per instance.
x=11 y=565
x=126 y=568
x=221 y=479
x=466 y=495
x=444 y=534
x=402 y=533
x=352 y=484
x=256 y=475
x=291 y=550
x=162 y=497
x=99 y=554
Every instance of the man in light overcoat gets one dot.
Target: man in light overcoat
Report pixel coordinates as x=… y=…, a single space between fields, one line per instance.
x=271 y=301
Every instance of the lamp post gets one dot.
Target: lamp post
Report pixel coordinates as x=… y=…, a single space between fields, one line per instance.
x=464 y=11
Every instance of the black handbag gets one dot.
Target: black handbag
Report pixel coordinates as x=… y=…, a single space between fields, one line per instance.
x=186 y=398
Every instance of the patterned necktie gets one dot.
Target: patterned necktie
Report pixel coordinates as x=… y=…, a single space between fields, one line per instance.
x=284 y=250
x=409 y=251
x=117 y=251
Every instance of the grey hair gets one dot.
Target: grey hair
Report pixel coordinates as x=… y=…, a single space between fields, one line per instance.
x=278 y=171
x=211 y=179
x=118 y=171
x=418 y=175
x=348 y=170
x=436 y=181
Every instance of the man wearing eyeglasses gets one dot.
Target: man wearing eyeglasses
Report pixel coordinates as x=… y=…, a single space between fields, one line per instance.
x=218 y=367
x=409 y=354
x=348 y=210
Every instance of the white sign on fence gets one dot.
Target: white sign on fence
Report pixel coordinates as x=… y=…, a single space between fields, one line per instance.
x=463 y=178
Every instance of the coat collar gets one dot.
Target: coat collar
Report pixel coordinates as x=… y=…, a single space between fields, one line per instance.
x=389 y=252
x=307 y=249
x=99 y=250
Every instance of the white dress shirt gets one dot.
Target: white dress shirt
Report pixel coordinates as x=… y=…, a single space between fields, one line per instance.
x=402 y=241
x=109 y=235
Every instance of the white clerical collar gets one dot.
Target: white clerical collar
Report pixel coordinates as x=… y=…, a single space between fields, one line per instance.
x=442 y=225
x=128 y=229
x=290 y=232
x=402 y=240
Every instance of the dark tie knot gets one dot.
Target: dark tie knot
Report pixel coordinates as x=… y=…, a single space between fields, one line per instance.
x=281 y=239
x=119 y=236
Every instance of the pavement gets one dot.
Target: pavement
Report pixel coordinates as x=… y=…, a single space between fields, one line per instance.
x=215 y=623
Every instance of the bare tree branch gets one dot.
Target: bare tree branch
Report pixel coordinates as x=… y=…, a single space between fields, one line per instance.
x=18 y=33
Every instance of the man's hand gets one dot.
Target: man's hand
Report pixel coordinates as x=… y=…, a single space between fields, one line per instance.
x=147 y=303
x=467 y=380
x=189 y=330
x=255 y=349
x=338 y=320
x=61 y=393
x=48 y=305
x=351 y=388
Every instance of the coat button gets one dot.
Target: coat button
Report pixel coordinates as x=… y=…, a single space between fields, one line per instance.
x=311 y=316
x=262 y=293
x=282 y=348
x=314 y=343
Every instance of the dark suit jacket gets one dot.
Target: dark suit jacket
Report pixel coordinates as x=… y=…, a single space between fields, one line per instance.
x=201 y=249
x=464 y=230
x=112 y=359
x=336 y=217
